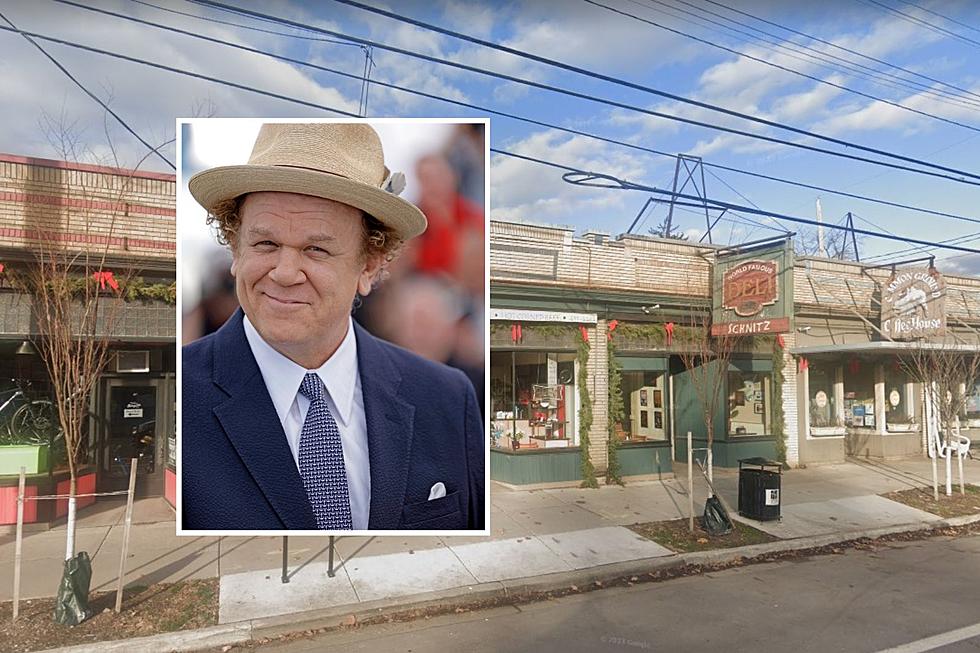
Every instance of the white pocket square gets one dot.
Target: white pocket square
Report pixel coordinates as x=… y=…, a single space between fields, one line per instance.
x=438 y=491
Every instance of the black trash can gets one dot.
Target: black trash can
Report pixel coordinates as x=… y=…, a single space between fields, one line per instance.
x=759 y=482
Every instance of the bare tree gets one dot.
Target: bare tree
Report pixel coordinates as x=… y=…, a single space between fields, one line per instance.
x=947 y=373
x=706 y=359
x=837 y=242
x=76 y=302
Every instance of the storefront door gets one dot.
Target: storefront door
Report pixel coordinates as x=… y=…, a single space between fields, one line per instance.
x=134 y=419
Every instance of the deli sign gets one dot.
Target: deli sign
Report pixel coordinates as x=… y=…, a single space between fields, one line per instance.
x=913 y=304
x=752 y=291
x=749 y=286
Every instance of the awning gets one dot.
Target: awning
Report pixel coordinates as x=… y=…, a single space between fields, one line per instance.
x=883 y=347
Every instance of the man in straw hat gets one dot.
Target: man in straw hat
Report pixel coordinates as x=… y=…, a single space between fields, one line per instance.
x=294 y=417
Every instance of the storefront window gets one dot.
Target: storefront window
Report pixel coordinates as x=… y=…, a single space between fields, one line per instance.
x=973 y=404
x=749 y=401
x=645 y=407
x=533 y=400
x=859 y=394
x=899 y=412
x=823 y=399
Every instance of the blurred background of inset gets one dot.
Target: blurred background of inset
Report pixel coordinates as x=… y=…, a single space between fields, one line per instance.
x=433 y=302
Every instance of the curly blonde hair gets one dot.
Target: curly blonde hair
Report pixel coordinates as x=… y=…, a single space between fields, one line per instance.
x=378 y=240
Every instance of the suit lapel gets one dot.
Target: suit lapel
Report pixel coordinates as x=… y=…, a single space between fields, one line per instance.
x=250 y=422
x=390 y=430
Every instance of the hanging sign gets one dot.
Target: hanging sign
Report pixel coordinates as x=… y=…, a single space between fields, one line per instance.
x=913 y=304
x=753 y=291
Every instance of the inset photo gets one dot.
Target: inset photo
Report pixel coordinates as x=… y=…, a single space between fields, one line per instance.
x=332 y=293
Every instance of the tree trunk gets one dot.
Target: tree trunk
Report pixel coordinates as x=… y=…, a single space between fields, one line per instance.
x=709 y=458
x=70 y=544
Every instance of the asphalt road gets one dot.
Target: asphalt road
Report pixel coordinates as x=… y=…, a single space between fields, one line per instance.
x=895 y=596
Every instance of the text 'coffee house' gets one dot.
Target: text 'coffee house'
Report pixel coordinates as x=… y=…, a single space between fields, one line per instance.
x=591 y=344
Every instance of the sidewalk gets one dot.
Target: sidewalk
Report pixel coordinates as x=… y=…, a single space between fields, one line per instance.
x=534 y=533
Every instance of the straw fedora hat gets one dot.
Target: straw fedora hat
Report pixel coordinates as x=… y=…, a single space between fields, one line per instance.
x=343 y=162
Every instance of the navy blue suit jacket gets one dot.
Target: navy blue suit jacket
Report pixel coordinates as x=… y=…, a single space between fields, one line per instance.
x=237 y=471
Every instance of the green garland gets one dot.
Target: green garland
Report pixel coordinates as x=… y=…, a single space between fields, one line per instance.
x=135 y=289
x=653 y=332
x=585 y=415
x=542 y=330
x=778 y=415
x=616 y=414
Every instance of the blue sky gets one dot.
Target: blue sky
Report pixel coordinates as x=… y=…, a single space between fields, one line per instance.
x=580 y=34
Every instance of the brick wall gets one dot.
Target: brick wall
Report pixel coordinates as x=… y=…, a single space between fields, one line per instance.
x=553 y=256
x=521 y=252
x=86 y=207
x=598 y=380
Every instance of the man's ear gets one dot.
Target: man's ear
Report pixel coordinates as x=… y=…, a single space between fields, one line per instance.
x=373 y=264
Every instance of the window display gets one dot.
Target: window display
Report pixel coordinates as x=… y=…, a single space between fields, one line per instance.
x=859 y=395
x=533 y=400
x=644 y=407
x=899 y=410
x=749 y=401
x=824 y=416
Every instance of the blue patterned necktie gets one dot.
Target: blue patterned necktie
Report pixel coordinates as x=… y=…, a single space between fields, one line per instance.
x=321 y=460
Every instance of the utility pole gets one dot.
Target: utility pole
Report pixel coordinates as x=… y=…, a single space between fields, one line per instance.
x=821 y=245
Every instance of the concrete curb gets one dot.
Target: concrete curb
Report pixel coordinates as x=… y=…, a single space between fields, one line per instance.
x=187 y=640
x=254 y=629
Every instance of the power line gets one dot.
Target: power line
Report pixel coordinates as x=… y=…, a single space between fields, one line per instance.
x=218 y=21
x=241 y=87
x=592 y=179
x=87 y=92
x=621 y=105
x=813 y=55
x=943 y=16
x=787 y=69
x=924 y=23
x=841 y=48
x=526 y=119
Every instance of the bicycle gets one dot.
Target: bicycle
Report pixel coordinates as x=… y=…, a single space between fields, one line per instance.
x=31 y=421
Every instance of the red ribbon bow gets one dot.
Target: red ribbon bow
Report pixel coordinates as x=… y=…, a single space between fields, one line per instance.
x=585 y=334
x=106 y=277
x=669 y=328
x=804 y=364
x=780 y=341
x=515 y=333
x=1 y=267
x=612 y=327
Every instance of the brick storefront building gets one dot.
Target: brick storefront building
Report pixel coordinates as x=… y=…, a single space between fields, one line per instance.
x=129 y=216
x=800 y=396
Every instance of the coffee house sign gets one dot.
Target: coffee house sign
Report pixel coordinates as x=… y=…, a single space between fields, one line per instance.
x=913 y=304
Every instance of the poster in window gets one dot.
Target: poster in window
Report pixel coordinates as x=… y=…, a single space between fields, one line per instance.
x=643 y=398
x=757 y=408
x=644 y=422
x=658 y=420
x=739 y=397
x=869 y=420
x=658 y=399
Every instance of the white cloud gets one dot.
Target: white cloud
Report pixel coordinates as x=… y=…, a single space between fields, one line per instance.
x=537 y=193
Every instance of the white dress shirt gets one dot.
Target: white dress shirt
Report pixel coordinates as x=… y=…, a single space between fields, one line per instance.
x=283 y=378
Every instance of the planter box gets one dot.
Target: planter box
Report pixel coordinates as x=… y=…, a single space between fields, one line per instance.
x=902 y=428
x=550 y=444
x=818 y=431
x=14 y=456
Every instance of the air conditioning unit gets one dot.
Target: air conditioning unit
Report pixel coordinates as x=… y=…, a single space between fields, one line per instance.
x=133 y=361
